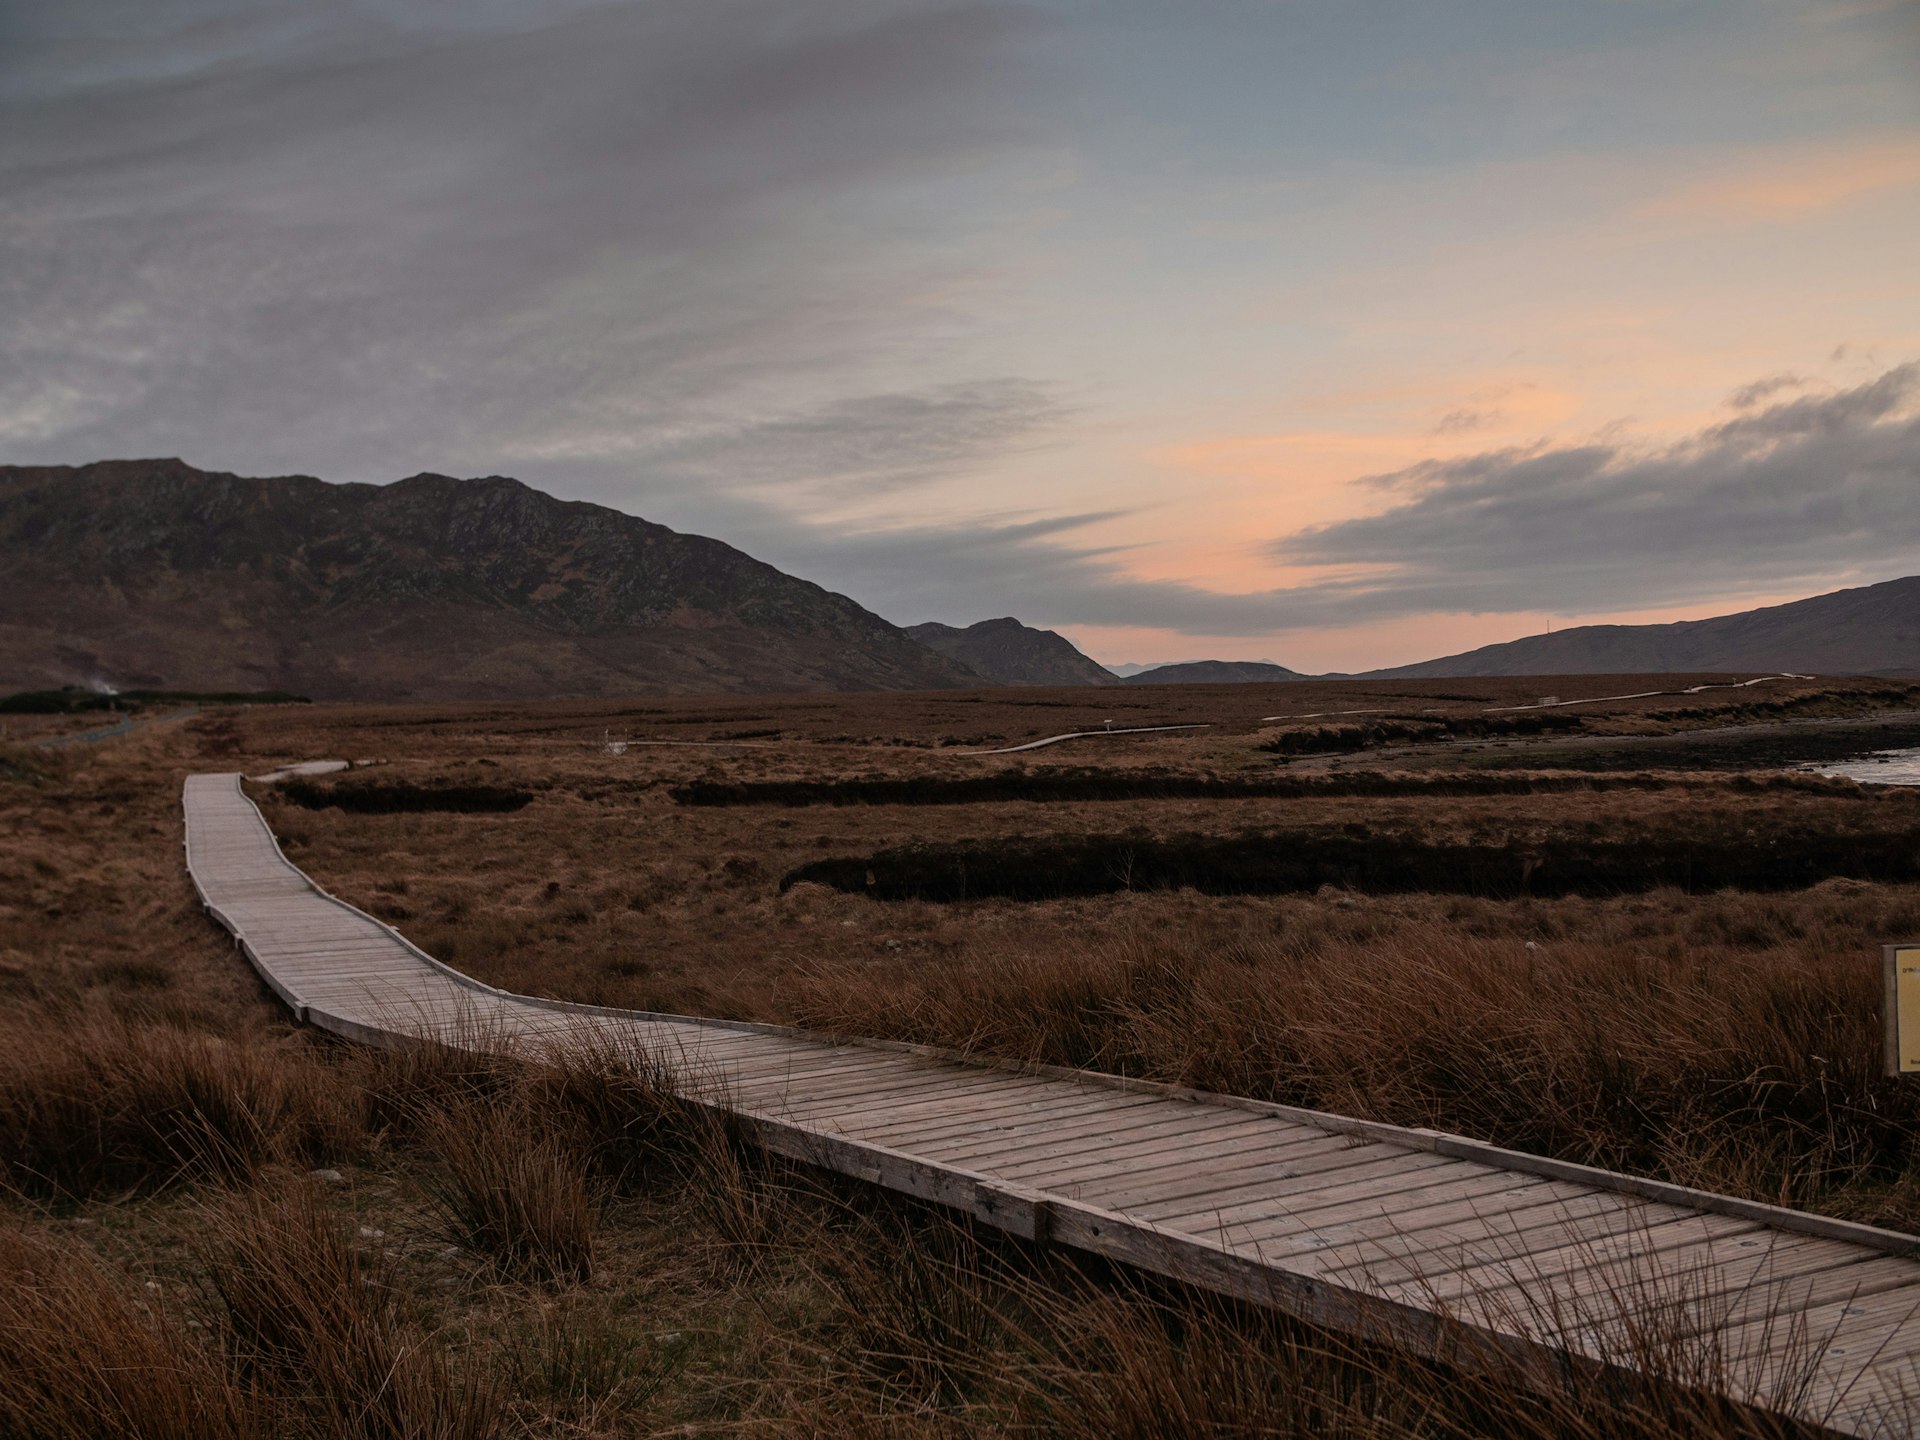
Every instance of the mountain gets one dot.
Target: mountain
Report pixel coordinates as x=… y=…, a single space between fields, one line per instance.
x=1874 y=629
x=1009 y=653
x=152 y=573
x=1215 y=672
x=1128 y=671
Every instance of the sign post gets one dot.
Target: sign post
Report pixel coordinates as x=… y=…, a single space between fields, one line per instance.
x=1902 y=971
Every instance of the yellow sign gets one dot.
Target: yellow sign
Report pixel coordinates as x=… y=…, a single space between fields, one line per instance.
x=1903 y=1009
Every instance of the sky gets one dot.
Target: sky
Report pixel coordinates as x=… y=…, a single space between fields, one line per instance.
x=1343 y=333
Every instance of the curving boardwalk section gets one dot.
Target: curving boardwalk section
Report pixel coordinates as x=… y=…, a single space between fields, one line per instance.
x=1465 y=1250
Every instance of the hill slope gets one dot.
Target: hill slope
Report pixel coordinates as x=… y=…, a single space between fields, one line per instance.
x=1874 y=629
x=153 y=573
x=1009 y=653
x=1214 y=672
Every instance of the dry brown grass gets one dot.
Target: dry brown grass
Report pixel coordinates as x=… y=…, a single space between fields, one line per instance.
x=95 y=905
x=1707 y=1063
x=586 y=1369
x=508 y=1188
x=314 y=1314
x=525 y=1157
x=899 y=729
x=1726 y=1040
x=1150 y=1365
x=86 y=1355
x=839 y=1311
x=90 y=1102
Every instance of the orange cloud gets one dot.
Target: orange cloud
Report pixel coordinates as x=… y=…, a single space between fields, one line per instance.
x=1287 y=479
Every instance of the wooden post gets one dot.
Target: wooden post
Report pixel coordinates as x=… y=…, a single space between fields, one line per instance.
x=1901 y=971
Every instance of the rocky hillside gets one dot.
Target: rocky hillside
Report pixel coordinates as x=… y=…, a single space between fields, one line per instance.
x=1009 y=653
x=1872 y=630
x=1215 y=672
x=152 y=573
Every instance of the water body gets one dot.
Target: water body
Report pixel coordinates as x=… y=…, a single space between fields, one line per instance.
x=1883 y=767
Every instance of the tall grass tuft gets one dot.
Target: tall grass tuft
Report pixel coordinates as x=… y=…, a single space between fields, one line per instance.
x=914 y=1294
x=509 y=1188
x=83 y=1356
x=621 y=1105
x=933 y=1330
x=398 y=1084
x=94 y=1103
x=315 y=1316
x=1120 y=1363
x=525 y=1151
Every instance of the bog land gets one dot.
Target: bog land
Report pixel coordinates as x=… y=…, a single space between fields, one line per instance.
x=1627 y=933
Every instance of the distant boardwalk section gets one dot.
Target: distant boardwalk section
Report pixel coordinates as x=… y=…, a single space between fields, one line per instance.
x=1469 y=1252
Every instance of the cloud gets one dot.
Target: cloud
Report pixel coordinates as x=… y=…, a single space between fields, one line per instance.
x=1807 y=493
x=872 y=443
x=397 y=234
x=1807 y=488
x=1750 y=395
x=975 y=570
x=1455 y=422
x=736 y=264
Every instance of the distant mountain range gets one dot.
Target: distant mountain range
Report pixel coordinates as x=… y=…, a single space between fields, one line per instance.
x=151 y=573
x=1215 y=672
x=1128 y=671
x=1872 y=630
x=1009 y=653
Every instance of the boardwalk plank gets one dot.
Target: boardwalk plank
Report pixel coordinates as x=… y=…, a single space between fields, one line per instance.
x=946 y=1106
x=1159 y=1161
x=886 y=1091
x=851 y=1076
x=1082 y=1144
x=1062 y=1146
x=1262 y=1198
x=1275 y=1214
x=1642 y=1264
x=1044 y=1101
x=1209 y=1183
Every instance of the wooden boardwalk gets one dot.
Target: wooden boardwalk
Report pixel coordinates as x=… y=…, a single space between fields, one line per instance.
x=1467 y=1251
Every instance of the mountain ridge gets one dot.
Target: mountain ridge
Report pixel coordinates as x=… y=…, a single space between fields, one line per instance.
x=155 y=572
x=1008 y=652
x=1863 y=630
x=1215 y=672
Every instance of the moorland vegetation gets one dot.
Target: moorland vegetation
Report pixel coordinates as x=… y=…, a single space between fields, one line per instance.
x=218 y=1224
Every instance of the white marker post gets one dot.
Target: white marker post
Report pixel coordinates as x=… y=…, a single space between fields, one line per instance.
x=1902 y=972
